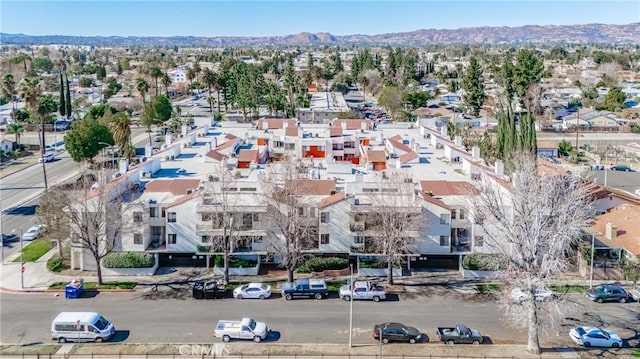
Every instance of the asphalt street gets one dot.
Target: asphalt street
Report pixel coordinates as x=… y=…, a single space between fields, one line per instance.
x=142 y=317
x=20 y=192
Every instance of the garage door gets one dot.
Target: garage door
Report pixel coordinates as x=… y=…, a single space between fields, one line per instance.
x=182 y=260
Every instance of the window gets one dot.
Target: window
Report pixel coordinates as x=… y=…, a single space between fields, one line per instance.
x=478 y=241
x=324 y=217
x=172 y=238
x=462 y=214
x=324 y=238
x=444 y=241
x=312 y=212
x=301 y=211
x=153 y=212
x=137 y=238
x=156 y=230
x=453 y=214
x=206 y=239
x=207 y=217
x=171 y=217
x=256 y=217
x=358 y=239
x=137 y=217
x=444 y=219
x=164 y=213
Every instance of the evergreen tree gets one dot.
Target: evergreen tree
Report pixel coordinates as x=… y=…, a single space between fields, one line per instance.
x=473 y=84
x=63 y=104
x=68 y=97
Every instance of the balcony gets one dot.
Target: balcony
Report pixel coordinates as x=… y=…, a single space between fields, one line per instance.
x=461 y=245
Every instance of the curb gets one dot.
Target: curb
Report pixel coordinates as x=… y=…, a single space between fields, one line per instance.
x=41 y=291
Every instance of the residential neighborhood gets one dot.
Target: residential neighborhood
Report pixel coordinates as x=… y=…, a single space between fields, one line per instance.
x=441 y=179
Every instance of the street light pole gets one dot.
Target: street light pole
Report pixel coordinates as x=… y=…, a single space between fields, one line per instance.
x=593 y=249
x=351 y=306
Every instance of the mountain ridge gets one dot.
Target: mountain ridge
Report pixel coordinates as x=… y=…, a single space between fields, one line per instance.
x=527 y=34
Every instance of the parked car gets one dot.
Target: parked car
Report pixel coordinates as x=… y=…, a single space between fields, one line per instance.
x=595 y=337
x=33 y=232
x=363 y=289
x=460 y=334
x=622 y=168
x=540 y=295
x=396 y=332
x=252 y=291
x=80 y=327
x=246 y=328
x=47 y=157
x=305 y=288
x=608 y=293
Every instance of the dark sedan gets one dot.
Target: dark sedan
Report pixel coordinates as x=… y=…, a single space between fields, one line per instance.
x=622 y=168
x=608 y=293
x=396 y=332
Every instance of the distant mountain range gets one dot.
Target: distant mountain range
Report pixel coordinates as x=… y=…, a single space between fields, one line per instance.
x=530 y=34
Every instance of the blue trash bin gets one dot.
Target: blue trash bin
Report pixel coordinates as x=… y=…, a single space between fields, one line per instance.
x=72 y=292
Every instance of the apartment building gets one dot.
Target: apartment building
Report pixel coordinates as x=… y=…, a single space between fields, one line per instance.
x=213 y=185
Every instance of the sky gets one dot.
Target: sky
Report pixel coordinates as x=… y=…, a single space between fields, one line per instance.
x=269 y=18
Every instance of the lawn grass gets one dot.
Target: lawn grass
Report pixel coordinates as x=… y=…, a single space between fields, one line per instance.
x=34 y=250
x=94 y=285
x=636 y=353
x=568 y=288
x=488 y=288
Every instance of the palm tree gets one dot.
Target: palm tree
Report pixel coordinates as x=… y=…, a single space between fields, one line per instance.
x=209 y=77
x=30 y=91
x=211 y=100
x=197 y=69
x=156 y=72
x=46 y=105
x=143 y=87
x=121 y=128
x=16 y=128
x=166 y=82
x=22 y=58
x=9 y=90
x=190 y=76
x=218 y=85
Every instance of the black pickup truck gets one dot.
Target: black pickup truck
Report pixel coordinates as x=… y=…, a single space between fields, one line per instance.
x=305 y=288
x=460 y=334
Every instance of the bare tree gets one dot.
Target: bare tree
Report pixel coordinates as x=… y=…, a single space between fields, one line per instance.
x=50 y=212
x=221 y=215
x=393 y=220
x=293 y=221
x=95 y=215
x=532 y=224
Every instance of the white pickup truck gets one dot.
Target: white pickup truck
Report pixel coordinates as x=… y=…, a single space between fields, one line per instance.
x=246 y=328
x=363 y=289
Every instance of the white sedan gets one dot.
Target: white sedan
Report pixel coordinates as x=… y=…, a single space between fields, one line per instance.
x=253 y=291
x=540 y=295
x=595 y=337
x=32 y=233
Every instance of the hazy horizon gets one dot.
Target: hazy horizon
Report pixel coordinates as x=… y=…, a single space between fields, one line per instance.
x=279 y=18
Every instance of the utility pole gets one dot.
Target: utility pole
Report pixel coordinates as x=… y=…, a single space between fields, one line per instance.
x=577 y=129
x=593 y=249
x=351 y=306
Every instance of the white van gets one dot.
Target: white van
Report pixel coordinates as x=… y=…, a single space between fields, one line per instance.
x=81 y=327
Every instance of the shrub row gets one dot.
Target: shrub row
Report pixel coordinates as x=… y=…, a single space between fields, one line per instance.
x=319 y=264
x=483 y=261
x=55 y=263
x=376 y=264
x=128 y=260
x=235 y=263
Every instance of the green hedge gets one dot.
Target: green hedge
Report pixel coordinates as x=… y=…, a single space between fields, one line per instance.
x=235 y=263
x=128 y=260
x=319 y=264
x=483 y=261
x=55 y=263
x=376 y=264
